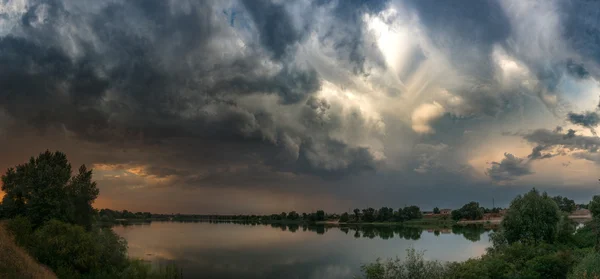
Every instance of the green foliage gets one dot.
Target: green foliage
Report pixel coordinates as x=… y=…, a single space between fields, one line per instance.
x=588 y=268
x=70 y=250
x=516 y=261
x=414 y=266
x=345 y=217
x=52 y=217
x=22 y=229
x=368 y=214
x=456 y=215
x=531 y=219
x=566 y=229
x=73 y=252
x=356 y=214
x=385 y=214
x=469 y=211
x=320 y=216
x=43 y=189
x=411 y=212
x=293 y=215
x=436 y=210
x=594 y=208
x=565 y=204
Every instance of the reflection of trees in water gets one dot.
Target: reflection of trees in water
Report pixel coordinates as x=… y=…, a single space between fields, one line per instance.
x=470 y=232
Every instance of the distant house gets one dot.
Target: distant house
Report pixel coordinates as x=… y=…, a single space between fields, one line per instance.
x=490 y=216
x=581 y=212
x=445 y=211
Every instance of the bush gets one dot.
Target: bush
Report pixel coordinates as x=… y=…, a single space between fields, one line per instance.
x=413 y=267
x=588 y=268
x=70 y=250
x=22 y=229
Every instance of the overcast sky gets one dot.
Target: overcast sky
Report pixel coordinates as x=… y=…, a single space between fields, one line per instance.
x=258 y=106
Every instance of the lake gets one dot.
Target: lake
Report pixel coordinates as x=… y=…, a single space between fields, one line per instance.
x=229 y=250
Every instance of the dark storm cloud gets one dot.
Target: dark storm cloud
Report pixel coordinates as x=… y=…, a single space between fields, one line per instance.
x=577 y=70
x=582 y=26
x=570 y=134
x=536 y=153
x=349 y=31
x=509 y=168
x=589 y=119
x=569 y=141
x=466 y=30
x=151 y=71
x=277 y=31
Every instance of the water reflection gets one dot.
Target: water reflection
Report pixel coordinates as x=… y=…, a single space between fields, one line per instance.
x=225 y=250
x=472 y=232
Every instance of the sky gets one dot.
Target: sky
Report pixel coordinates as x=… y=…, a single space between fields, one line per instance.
x=261 y=106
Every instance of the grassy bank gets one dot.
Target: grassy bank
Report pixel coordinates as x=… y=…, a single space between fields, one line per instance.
x=15 y=262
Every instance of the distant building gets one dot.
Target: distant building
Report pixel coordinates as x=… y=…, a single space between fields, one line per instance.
x=581 y=212
x=445 y=211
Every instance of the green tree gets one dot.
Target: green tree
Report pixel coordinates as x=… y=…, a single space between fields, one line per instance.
x=594 y=208
x=456 y=215
x=531 y=219
x=384 y=214
x=283 y=215
x=43 y=189
x=412 y=212
x=320 y=216
x=293 y=215
x=565 y=204
x=399 y=215
x=368 y=214
x=82 y=192
x=587 y=268
x=344 y=218
x=436 y=210
x=356 y=214
x=469 y=211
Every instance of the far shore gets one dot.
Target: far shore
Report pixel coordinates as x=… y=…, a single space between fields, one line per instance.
x=580 y=218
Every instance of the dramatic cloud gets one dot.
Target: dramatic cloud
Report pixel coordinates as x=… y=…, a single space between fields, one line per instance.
x=587 y=119
x=300 y=98
x=509 y=168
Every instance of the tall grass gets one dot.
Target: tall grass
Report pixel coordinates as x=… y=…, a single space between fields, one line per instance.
x=15 y=263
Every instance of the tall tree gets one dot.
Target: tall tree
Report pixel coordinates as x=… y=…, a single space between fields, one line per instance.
x=531 y=219
x=320 y=215
x=356 y=214
x=344 y=218
x=565 y=204
x=43 y=189
x=369 y=214
x=82 y=192
x=436 y=210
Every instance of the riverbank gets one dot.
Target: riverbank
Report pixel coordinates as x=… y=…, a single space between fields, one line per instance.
x=15 y=262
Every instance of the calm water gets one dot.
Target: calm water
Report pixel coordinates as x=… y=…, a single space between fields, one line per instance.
x=227 y=251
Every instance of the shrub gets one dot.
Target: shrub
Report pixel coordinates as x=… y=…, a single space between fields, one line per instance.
x=22 y=229
x=414 y=266
x=588 y=268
